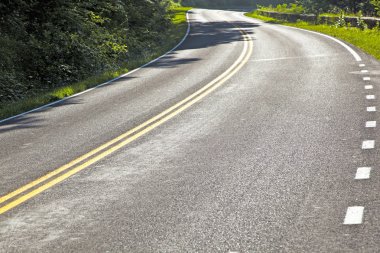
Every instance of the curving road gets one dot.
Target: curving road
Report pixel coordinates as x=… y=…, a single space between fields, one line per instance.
x=265 y=141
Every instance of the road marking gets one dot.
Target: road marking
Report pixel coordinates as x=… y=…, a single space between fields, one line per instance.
x=362 y=65
x=110 y=147
x=370 y=124
x=367 y=78
x=349 y=49
x=368 y=144
x=371 y=109
x=363 y=173
x=110 y=81
x=370 y=97
x=368 y=87
x=364 y=71
x=354 y=215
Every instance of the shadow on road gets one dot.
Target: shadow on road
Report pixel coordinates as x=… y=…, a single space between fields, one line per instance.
x=203 y=35
x=210 y=34
x=171 y=61
x=31 y=120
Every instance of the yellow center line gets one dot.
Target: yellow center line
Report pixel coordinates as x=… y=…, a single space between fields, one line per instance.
x=110 y=143
x=131 y=134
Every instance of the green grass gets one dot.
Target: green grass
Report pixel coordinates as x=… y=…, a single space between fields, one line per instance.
x=264 y=18
x=367 y=40
x=179 y=16
x=284 y=8
x=174 y=35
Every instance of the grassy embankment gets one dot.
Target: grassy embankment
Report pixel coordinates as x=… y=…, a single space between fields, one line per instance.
x=368 y=40
x=171 y=38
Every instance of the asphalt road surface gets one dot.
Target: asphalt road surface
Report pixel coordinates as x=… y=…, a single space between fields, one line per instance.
x=249 y=137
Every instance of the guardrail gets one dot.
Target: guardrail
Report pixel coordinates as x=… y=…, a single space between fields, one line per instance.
x=312 y=18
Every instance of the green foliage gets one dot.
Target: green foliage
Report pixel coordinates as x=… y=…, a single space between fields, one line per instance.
x=376 y=4
x=175 y=31
x=341 y=22
x=360 y=23
x=326 y=14
x=367 y=7
x=255 y=14
x=272 y=2
x=217 y=3
x=368 y=40
x=52 y=43
x=283 y=8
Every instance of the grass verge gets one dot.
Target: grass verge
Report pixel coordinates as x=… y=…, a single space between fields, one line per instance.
x=173 y=36
x=368 y=40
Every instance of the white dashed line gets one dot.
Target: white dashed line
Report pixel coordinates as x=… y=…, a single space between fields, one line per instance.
x=363 y=173
x=371 y=109
x=368 y=144
x=370 y=124
x=354 y=215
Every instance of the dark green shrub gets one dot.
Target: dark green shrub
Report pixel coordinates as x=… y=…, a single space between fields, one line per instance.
x=51 y=43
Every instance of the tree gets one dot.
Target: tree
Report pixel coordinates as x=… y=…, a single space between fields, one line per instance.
x=349 y=6
x=50 y=43
x=376 y=5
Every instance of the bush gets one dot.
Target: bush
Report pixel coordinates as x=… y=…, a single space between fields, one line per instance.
x=51 y=43
x=283 y=8
x=360 y=22
x=341 y=22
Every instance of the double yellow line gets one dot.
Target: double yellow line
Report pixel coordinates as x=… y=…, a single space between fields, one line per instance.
x=56 y=176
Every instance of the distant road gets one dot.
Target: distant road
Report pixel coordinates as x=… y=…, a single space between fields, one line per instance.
x=249 y=137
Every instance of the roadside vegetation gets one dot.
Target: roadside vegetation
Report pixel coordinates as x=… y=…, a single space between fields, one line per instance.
x=325 y=7
x=53 y=49
x=217 y=3
x=362 y=37
x=284 y=8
